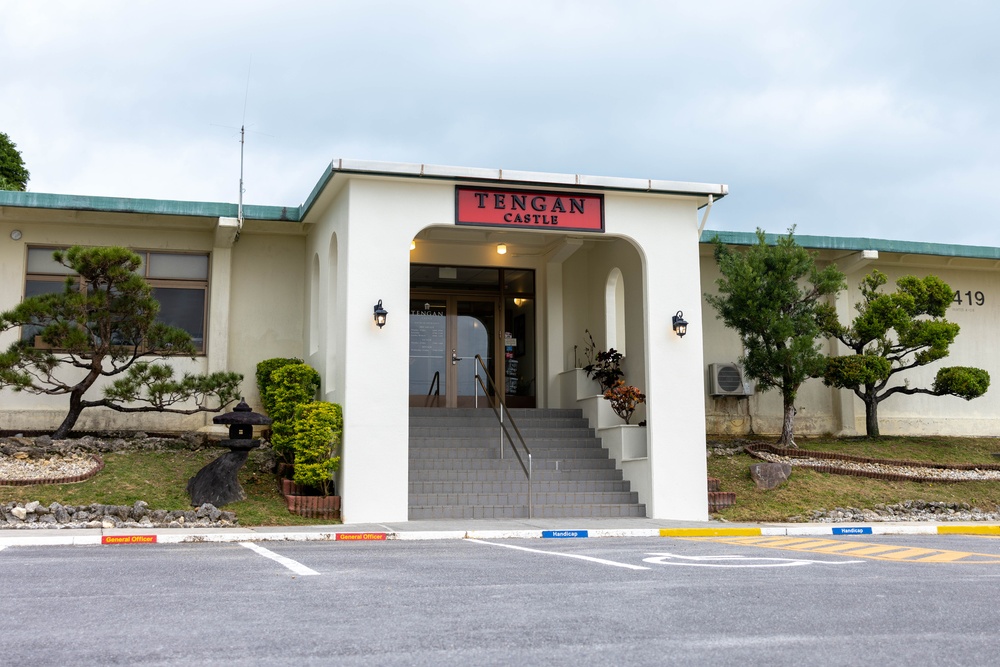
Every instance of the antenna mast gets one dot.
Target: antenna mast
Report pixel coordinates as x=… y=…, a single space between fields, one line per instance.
x=239 y=206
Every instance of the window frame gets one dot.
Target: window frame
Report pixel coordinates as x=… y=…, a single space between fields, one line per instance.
x=159 y=283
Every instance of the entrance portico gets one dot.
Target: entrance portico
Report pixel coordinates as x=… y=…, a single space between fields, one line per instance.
x=396 y=233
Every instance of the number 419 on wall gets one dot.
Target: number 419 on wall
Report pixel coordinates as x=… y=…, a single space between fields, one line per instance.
x=977 y=298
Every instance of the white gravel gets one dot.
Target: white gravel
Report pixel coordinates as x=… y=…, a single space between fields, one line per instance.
x=943 y=474
x=15 y=469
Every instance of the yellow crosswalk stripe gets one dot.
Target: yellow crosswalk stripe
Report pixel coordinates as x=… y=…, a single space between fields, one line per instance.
x=869 y=550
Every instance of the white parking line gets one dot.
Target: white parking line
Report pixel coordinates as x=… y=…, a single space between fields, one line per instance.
x=602 y=561
x=294 y=566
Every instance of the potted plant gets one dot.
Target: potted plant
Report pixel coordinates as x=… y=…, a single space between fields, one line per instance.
x=316 y=437
x=624 y=399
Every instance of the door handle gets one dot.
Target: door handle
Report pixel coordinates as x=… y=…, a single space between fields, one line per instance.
x=455 y=358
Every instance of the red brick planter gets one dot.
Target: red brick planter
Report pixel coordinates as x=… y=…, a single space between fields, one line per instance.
x=310 y=506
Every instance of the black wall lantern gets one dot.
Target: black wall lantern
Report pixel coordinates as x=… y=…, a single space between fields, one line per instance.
x=380 y=314
x=680 y=326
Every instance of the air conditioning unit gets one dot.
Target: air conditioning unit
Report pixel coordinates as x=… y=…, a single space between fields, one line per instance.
x=727 y=380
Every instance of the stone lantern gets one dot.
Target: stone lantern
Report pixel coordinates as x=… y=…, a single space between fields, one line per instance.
x=217 y=483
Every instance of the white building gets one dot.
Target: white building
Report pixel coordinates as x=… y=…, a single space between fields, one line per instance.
x=615 y=257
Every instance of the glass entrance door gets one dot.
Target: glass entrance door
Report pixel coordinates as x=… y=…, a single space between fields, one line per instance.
x=429 y=358
x=476 y=335
x=446 y=335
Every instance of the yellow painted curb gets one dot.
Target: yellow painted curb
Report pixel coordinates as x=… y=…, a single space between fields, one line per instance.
x=969 y=530
x=708 y=532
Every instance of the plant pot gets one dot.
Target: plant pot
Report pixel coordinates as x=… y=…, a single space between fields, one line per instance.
x=302 y=502
x=316 y=507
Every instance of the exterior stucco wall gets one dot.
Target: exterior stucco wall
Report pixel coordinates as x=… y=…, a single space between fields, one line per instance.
x=653 y=242
x=266 y=316
x=234 y=337
x=374 y=221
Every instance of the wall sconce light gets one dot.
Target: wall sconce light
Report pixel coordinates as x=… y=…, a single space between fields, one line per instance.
x=501 y=248
x=680 y=326
x=15 y=235
x=413 y=244
x=380 y=314
x=519 y=301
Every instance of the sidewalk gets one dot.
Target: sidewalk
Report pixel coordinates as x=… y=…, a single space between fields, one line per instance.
x=477 y=528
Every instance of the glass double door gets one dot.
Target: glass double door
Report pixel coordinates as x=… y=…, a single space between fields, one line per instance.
x=447 y=333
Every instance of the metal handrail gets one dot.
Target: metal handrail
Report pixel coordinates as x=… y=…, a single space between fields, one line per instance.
x=504 y=431
x=435 y=381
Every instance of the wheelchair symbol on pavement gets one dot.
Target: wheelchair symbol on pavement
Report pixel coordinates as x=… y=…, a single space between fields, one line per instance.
x=732 y=561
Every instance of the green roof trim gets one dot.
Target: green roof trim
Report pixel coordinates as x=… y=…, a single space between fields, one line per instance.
x=149 y=206
x=857 y=244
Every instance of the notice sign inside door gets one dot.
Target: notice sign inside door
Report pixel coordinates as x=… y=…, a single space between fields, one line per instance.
x=529 y=209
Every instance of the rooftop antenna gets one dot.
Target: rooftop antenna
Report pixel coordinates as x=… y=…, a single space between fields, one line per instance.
x=239 y=206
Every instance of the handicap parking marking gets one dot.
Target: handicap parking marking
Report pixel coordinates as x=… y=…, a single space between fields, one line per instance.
x=737 y=561
x=868 y=550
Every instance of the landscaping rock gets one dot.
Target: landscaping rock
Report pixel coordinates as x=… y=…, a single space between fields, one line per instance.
x=36 y=515
x=770 y=475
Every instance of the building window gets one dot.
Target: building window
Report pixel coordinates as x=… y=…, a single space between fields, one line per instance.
x=179 y=282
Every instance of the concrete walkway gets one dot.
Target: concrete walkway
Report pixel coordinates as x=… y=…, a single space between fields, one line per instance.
x=482 y=529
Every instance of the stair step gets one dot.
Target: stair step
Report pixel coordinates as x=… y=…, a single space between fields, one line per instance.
x=494 y=453
x=491 y=422
x=519 y=413
x=521 y=486
x=521 y=511
x=489 y=432
x=557 y=498
x=509 y=463
x=493 y=440
x=516 y=475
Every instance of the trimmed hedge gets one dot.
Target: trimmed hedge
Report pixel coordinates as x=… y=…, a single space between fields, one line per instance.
x=317 y=434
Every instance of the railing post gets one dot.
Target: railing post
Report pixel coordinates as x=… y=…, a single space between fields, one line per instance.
x=531 y=500
x=501 y=431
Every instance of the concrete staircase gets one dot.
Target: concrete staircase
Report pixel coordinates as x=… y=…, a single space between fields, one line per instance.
x=456 y=471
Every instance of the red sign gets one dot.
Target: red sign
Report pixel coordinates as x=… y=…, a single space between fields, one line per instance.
x=128 y=539
x=529 y=209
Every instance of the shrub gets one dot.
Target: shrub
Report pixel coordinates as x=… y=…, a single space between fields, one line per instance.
x=291 y=386
x=316 y=441
x=264 y=383
x=624 y=399
x=605 y=367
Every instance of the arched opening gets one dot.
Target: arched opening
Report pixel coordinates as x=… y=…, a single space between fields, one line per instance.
x=314 y=306
x=331 y=307
x=614 y=311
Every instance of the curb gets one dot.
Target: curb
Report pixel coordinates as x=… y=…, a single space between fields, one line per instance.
x=119 y=537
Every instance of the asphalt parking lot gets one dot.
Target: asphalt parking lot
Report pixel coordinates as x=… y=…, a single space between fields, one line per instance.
x=891 y=599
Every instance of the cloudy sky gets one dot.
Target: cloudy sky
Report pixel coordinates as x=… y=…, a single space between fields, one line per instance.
x=846 y=118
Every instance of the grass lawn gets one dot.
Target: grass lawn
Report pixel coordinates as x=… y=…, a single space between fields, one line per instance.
x=807 y=490
x=160 y=479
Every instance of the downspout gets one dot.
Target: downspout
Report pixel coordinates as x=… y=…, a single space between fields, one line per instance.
x=704 y=218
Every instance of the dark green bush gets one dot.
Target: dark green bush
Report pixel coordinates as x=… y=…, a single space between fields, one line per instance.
x=291 y=386
x=264 y=370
